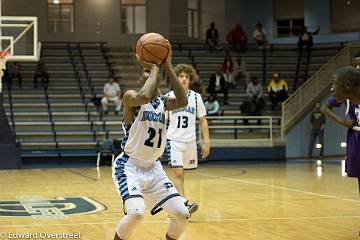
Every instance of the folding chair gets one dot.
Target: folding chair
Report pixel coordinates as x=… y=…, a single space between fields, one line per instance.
x=106 y=149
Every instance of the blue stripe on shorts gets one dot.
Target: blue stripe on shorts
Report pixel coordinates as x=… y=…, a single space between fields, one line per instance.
x=121 y=176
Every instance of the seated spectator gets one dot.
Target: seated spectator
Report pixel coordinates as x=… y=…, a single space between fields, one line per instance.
x=254 y=89
x=306 y=38
x=255 y=102
x=41 y=72
x=240 y=71
x=227 y=69
x=15 y=72
x=278 y=90
x=259 y=37
x=212 y=106
x=111 y=95
x=212 y=37
x=217 y=84
x=237 y=38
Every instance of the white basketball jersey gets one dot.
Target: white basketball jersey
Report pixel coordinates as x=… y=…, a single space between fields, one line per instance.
x=182 y=126
x=145 y=137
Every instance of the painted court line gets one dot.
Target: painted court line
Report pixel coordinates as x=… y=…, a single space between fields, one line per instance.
x=279 y=187
x=196 y=220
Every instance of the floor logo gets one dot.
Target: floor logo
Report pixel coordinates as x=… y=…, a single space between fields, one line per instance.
x=40 y=208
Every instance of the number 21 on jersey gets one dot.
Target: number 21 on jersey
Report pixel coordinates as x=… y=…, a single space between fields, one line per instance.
x=152 y=133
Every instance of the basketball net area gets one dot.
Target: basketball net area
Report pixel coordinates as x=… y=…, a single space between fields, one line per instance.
x=18 y=40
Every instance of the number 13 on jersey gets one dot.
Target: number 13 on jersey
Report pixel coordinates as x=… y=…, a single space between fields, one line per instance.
x=183 y=122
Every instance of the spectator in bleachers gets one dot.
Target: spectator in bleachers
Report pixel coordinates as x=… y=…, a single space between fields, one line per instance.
x=254 y=101
x=306 y=38
x=212 y=106
x=111 y=95
x=240 y=71
x=15 y=72
x=237 y=38
x=217 y=84
x=227 y=69
x=41 y=72
x=278 y=90
x=212 y=37
x=259 y=37
x=254 y=89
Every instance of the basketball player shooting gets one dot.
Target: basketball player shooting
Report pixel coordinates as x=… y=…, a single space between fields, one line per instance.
x=137 y=174
x=346 y=90
x=181 y=144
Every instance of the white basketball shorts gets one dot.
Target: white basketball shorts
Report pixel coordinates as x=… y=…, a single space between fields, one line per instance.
x=182 y=154
x=151 y=183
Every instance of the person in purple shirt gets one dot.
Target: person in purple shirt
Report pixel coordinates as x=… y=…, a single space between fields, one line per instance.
x=345 y=89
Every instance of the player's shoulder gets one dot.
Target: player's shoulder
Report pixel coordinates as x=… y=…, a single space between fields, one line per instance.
x=197 y=95
x=169 y=94
x=334 y=103
x=129 y=92
x=162 y=98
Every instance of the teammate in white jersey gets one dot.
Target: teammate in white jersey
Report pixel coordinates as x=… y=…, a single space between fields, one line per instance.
x=137 y=173
x=181 y=144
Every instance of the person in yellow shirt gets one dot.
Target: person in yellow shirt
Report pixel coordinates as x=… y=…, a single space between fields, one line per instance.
x=278 y=90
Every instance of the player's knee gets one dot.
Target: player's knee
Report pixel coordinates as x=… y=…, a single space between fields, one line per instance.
x=181 y=214
x=137 y=214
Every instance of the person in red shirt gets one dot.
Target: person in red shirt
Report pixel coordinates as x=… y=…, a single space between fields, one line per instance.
x=238 y=38
x=228 y=71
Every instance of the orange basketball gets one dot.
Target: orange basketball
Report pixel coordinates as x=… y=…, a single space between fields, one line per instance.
x=152 y=47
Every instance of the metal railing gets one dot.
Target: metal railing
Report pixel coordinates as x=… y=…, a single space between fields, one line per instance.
x=234 y=125
x=315 y=88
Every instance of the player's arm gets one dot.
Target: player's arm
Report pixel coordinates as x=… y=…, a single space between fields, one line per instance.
x=205 y=149
x=144 y=95
x=327 y=111
x=201 y=114
x=180 y=99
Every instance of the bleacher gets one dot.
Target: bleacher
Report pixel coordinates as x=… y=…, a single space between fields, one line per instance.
x=62 y=120
x=281 y=59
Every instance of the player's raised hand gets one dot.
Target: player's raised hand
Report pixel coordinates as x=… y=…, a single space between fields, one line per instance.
x=144 y=64
x=205 y=149
x=169 y=56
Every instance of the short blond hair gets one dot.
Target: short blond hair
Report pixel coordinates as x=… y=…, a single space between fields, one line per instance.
x=188 y=69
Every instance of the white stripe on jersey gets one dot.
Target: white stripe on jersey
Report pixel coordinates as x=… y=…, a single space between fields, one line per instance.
x=182 y=125
x=146 y=138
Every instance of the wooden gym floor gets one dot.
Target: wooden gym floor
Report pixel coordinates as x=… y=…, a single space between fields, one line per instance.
x=245 y=201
